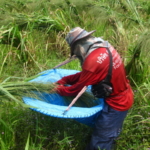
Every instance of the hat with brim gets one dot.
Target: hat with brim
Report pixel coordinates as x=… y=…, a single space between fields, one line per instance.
x=76 y=34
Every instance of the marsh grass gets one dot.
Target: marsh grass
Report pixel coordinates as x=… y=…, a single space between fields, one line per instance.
x=17 y=123
x=36 y=90
x=138 y=67
x=137 y=124
x=32 y=39
x=42 y=130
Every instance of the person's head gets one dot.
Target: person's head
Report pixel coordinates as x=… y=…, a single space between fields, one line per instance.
x=75 y=36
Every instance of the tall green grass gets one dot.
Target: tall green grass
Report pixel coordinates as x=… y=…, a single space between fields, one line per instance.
x=32 y=39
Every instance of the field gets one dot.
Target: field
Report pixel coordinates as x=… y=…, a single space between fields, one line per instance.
x=32 y=39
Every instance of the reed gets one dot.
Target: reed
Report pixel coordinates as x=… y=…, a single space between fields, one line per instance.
x=12 y=90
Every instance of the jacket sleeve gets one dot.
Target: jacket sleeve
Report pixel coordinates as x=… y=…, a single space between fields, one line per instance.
x=71 y=79
x=85 y=78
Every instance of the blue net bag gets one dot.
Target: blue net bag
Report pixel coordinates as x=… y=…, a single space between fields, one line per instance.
x=54 y=105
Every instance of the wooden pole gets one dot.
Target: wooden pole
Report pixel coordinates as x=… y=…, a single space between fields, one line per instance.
x=76 y=98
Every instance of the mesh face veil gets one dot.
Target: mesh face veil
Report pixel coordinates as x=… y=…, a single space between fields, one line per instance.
x=84 y=47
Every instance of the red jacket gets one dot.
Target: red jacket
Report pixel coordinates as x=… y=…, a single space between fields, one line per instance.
x=95 y=69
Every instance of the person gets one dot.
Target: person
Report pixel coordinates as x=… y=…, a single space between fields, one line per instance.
x=95 y=61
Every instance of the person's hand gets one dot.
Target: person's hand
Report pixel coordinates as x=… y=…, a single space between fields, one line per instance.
x=56 y=86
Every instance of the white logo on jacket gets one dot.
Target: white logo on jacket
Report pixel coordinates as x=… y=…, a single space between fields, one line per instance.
x=117 y=61
x=102 y=57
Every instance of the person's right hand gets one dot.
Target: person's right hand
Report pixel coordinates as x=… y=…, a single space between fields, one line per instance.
x=56 y=87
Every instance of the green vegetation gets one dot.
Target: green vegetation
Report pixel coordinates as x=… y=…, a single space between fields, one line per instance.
x=32 y=39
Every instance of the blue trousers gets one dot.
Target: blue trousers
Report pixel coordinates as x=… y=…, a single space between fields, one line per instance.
x=107 y=128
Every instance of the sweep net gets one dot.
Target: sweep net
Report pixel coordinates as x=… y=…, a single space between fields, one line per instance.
x=54 y=104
